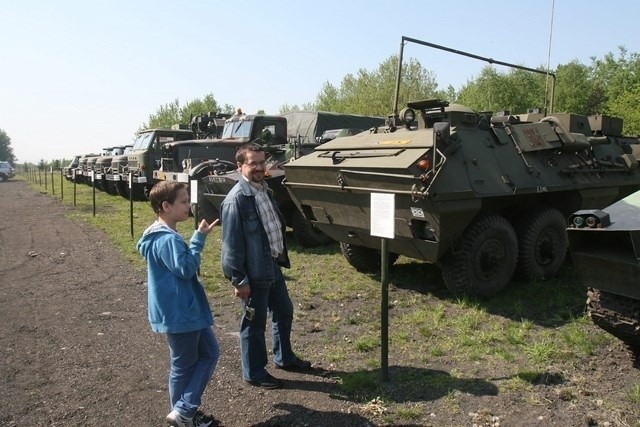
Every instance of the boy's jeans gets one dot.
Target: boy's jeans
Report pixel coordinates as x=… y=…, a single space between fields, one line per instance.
x=253 y=350
x=194 y=356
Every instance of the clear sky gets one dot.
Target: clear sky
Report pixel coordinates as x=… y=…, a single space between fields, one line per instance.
x=80 y=75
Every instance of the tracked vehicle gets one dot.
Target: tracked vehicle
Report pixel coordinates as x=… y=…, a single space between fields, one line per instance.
x=605 y=249
x=483 y=197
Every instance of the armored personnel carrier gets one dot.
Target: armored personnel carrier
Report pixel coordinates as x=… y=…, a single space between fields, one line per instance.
x=605 y=248
x=483 y=197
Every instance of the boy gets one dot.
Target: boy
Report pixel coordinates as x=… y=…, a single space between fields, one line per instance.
x=177 y=302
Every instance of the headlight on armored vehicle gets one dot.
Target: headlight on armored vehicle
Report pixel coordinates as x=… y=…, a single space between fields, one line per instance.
x=407 y=115
x=591 y=218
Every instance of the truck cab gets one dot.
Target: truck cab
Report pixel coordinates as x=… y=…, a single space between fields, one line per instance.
x=145 y=157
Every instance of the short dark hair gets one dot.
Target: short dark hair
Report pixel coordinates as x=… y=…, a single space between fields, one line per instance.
x=241 y=154
x=164 y=191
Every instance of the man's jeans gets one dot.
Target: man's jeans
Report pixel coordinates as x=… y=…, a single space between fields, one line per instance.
x=252 y=340
x=194 y=356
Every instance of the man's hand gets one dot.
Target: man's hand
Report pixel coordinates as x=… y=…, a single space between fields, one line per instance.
x=243 y=292
x=204 y=227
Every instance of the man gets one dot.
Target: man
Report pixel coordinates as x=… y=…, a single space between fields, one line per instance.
x=253 y=250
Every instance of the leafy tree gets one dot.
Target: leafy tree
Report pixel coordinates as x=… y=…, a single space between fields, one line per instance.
x=173 y=113
x=6 y=151
x=372 y=92
x=515 y=91
x=576 y=90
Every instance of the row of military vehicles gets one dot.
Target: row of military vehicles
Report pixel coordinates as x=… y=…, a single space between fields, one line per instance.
x=485 y=197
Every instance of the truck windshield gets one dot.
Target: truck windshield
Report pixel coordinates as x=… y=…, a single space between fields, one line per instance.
x=142 y=141
x=239 y=129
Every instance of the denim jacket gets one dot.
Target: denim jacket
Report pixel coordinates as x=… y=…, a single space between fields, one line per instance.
x=246 y=255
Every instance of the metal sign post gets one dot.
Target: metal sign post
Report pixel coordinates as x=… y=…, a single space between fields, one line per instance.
x=130 y=203
x=73 y=174
x=383 y=225
x=53 y=185
x=61 y=185
x=93 y=185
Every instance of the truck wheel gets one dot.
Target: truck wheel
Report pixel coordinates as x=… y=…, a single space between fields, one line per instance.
x=138 y=191
x=365 y=260
x=615 y=314
x=146 y=191
x=542 y=243
x=305 y=233
x=485 y=261
x=3 y=178
x=123 y=189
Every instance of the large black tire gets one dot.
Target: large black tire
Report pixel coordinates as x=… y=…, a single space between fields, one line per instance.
x=3 y=177
x=305 y=233
x=138 y=192
x=486 y=259
x=618 y=315
x=112 y=187
x=542 y=243
x=363 y=259
x=123 y=189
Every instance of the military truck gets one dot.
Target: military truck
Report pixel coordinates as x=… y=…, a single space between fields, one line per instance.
x=67 y=171
x=81 y=173
x=189 y=160
x=145 y=157
x=103 y=166
x=113 y=173
x=481 y=196
x=605 y=249
x=301 y=129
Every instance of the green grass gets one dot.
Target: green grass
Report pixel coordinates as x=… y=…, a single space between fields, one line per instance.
x=440 y=347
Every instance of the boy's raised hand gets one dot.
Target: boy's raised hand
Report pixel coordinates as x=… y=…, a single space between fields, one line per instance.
x=204 y=227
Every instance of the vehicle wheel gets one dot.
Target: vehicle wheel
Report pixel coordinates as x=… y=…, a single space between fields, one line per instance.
x=123 y=189
x=486 y=260
x=3 y=178
x=205 y=211
x=112 y=188
x=615 y=314
x=542 y=243
x=146 y=191
x=138 y=192
x=365 y=260
x=305 y=233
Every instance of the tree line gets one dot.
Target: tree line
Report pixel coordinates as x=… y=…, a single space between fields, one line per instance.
x=609 y=85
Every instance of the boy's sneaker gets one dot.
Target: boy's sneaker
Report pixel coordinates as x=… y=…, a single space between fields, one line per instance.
x=202 y=420
x=176 y=419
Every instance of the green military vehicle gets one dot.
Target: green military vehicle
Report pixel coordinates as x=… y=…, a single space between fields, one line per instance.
x=102 y=167
x=67 y=171
x=192 y=160
x=605 y=248
x=113 y=173
x=480 y=196
x=145 y=157
x=290 y=135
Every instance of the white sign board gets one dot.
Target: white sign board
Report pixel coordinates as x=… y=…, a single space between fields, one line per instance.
x=383 y=208
x=194 y=191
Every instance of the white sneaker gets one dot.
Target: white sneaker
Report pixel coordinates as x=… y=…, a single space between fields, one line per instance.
x=176 y=419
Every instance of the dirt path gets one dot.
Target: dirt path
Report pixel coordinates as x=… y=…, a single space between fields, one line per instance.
x=76 y=346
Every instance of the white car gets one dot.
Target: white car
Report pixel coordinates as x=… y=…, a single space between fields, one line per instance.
x=6 y=171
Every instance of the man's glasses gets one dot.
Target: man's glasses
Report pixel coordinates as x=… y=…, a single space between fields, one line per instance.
x=254 y=165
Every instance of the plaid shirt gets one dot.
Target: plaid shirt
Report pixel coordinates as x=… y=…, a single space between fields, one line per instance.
x=268 y=217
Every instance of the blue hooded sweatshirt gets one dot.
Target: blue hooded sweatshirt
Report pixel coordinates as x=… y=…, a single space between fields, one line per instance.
x=176 y=298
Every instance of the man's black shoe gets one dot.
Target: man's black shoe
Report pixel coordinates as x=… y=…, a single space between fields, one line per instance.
x=268 y=382
x=297 y=365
